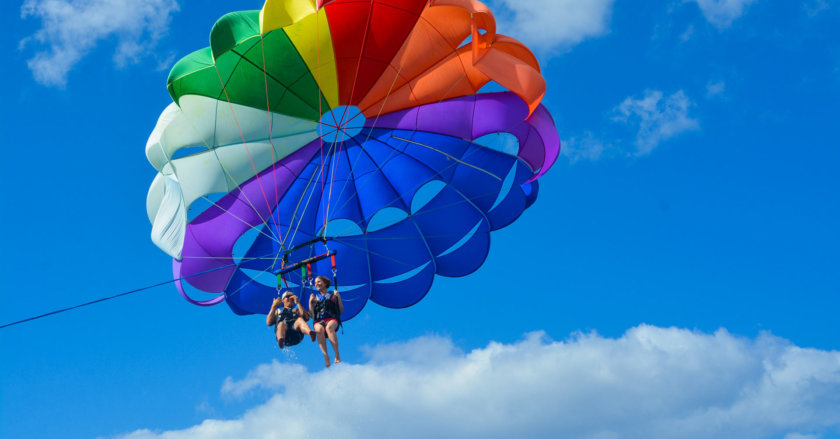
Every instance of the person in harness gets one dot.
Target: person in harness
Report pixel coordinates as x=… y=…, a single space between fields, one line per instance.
x=326 y=316
x=289 y=319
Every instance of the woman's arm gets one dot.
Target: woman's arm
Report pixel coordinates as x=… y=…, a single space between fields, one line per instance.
x=340 y=305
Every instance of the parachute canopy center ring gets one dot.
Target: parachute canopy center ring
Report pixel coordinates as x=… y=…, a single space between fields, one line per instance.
x=341 y=123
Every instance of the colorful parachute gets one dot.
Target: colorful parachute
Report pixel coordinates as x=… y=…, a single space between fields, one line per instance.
x=360 y=122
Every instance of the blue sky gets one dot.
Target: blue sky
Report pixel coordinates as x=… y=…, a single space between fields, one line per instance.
x=677 y=276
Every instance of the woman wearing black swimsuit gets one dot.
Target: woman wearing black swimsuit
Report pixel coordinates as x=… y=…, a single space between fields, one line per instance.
x=326 y=310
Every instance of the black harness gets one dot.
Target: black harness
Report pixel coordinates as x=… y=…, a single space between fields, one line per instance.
x=286 y=315
x=326 y=307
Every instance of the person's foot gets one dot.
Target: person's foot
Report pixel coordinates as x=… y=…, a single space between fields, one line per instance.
x=337 y=360
x=281 y=343
x=326 y=362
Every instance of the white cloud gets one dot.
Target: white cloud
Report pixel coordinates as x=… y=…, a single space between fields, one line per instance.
x=650 y=383
x=70 y=29
x=689 y=32
x=715 y=89
x=586 y=147
x=801 y=436
x=657 y=118
x=722 y=13
x=270 y=375
x=816 y=7
x=552 y=25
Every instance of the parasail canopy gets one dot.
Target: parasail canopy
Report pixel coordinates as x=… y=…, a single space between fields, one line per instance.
x=364 y=123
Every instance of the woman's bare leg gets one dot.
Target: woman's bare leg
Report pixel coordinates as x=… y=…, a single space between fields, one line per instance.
x=332 y=326
x=322 y=343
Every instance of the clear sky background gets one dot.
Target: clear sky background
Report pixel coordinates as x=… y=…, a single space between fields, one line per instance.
x=677 y=277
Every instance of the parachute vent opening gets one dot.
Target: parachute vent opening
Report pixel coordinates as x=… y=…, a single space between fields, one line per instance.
x=341 y=123
x=401 y=277
x=200 y=205
x=425 y=194
x=385 y=217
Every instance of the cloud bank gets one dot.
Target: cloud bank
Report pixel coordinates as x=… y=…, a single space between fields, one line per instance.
x=650 y=383
x=71 y=29
x=552 y=25
x=722 y=13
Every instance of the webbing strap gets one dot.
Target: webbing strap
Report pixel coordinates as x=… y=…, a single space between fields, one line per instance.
x=281 y=282
x=334 y=272
x=303 y=276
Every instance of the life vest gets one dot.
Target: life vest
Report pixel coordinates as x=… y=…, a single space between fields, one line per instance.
x=289 y=316
x=326 y=306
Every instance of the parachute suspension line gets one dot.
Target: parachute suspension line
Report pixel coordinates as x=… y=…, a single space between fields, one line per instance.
x=271 y=142
x=227 y=172
x=320 y=109
x=334 y=167
x=349 y=103
x=394 y=151
x=449 y=156
x=381 y=109
x=359 y=63
x=252 y=279
x=274 y=161
x=312 y=178
x=245 y=143
x=464 y=76
x=370 y=129
x=332 y=155
x=391 y=88
x=385 y=101
x=256 y=174
x=238 y=218
x=445 y=95
x=244 y=195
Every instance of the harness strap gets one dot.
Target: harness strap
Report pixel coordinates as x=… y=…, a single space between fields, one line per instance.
x=303 y=276
x=334 y=271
